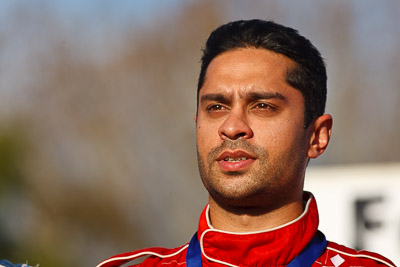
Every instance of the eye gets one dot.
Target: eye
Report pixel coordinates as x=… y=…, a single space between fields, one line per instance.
x=215 y=107
x=264 y=109
x=263 y=106
x=216 y=110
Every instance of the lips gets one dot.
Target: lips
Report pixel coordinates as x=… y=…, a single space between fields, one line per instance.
x=235 y=161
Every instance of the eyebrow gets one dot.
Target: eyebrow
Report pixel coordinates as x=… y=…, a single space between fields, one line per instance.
x=215 y=97
x=251 y=96
x=265 y=95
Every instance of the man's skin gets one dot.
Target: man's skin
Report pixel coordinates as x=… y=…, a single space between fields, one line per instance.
x=252 y=146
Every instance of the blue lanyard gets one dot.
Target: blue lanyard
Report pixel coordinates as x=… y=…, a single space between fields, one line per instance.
x=307 y=257
x=6 y=263
x=193 y=255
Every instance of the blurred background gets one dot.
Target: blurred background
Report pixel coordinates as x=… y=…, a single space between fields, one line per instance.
x=97 y=98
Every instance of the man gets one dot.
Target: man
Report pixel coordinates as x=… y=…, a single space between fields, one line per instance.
x=260 y=119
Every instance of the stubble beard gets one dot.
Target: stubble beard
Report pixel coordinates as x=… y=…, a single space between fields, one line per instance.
x=263 y=185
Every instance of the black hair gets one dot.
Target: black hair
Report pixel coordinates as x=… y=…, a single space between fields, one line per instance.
x=308 y=75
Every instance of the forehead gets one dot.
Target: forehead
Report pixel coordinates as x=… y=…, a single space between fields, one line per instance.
x=247 y=69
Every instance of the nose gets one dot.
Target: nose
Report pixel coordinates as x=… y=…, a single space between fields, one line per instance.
x=235 y=126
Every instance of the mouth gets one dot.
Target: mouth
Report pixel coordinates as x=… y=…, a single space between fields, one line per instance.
x=235 y=161
x=234 y=156
x=229 y=159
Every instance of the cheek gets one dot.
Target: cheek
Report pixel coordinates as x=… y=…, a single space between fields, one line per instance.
x=205 y=137
x=206 y=130
x=280 y=135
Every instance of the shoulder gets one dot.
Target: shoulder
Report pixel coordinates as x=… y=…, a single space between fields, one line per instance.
x=338 y=255
x=149 y=257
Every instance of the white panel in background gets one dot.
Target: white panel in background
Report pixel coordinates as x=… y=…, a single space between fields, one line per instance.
x=372 y=224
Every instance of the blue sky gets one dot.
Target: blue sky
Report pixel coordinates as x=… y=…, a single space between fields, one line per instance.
x=120 y=9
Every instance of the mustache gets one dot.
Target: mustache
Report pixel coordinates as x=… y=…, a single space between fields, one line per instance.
x=234 y=145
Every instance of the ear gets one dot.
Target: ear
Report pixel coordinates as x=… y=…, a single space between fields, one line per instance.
x=320 y=136
x=195 y=117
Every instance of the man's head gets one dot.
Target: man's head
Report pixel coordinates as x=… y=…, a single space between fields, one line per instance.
x=254 y=137
x=308 y=74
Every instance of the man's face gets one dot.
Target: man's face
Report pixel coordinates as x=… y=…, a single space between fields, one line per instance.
x=251 y=144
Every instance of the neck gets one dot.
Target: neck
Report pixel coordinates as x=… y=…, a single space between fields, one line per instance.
x=244 y=219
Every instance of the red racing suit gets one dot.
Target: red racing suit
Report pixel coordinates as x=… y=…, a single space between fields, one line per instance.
x=273 y=247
